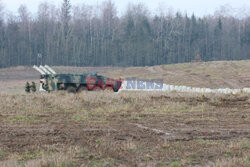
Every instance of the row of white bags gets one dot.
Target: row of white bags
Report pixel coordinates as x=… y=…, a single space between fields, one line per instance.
x=171 y=88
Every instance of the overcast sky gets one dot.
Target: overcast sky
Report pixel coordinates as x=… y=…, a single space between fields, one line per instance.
x=199 y=7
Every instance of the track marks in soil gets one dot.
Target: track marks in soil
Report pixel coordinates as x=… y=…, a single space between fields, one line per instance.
x=228 y=101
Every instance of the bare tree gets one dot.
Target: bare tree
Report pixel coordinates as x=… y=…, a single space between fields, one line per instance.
x=96 y=36
x=25 y=36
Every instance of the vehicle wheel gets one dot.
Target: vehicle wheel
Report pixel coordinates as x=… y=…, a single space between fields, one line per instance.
x=82 y=89
x=71 y=89
x=117 y=86
x=116 y=90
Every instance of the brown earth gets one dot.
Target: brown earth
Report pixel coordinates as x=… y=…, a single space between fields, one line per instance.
x=129 y=128
x=28 y=73
x=13 y=80
x=221 y=74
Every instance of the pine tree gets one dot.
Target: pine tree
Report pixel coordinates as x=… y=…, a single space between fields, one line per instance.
x=65 y=33
x=97 y=36
x=218 y=33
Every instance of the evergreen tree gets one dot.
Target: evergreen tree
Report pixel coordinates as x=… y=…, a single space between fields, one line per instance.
x=65 y=40
x=97 y=36
x=218 y=40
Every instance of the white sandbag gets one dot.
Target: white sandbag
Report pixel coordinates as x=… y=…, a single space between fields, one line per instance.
x=236 y=91
x=171 y=88
x=188 y=89
x=246 y=90
x=184 y=88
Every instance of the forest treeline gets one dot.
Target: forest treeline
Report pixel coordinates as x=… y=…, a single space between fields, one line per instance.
x=97 y=36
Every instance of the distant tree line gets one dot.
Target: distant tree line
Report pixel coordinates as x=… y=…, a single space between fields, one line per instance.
x=97 y=36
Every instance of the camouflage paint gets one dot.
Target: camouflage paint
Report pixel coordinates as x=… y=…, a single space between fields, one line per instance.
x=54 y=82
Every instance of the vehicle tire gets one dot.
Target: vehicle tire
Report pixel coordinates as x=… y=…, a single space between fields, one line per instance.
x=82 y=89
x=116 y=90
x=117 y=86
x=71 y=89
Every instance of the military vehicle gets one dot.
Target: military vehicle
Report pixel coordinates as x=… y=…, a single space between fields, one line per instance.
x=51 y=81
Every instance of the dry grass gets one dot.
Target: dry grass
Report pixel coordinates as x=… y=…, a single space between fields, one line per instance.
x=130 y=128
x=230 y=74
x=100 y=129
